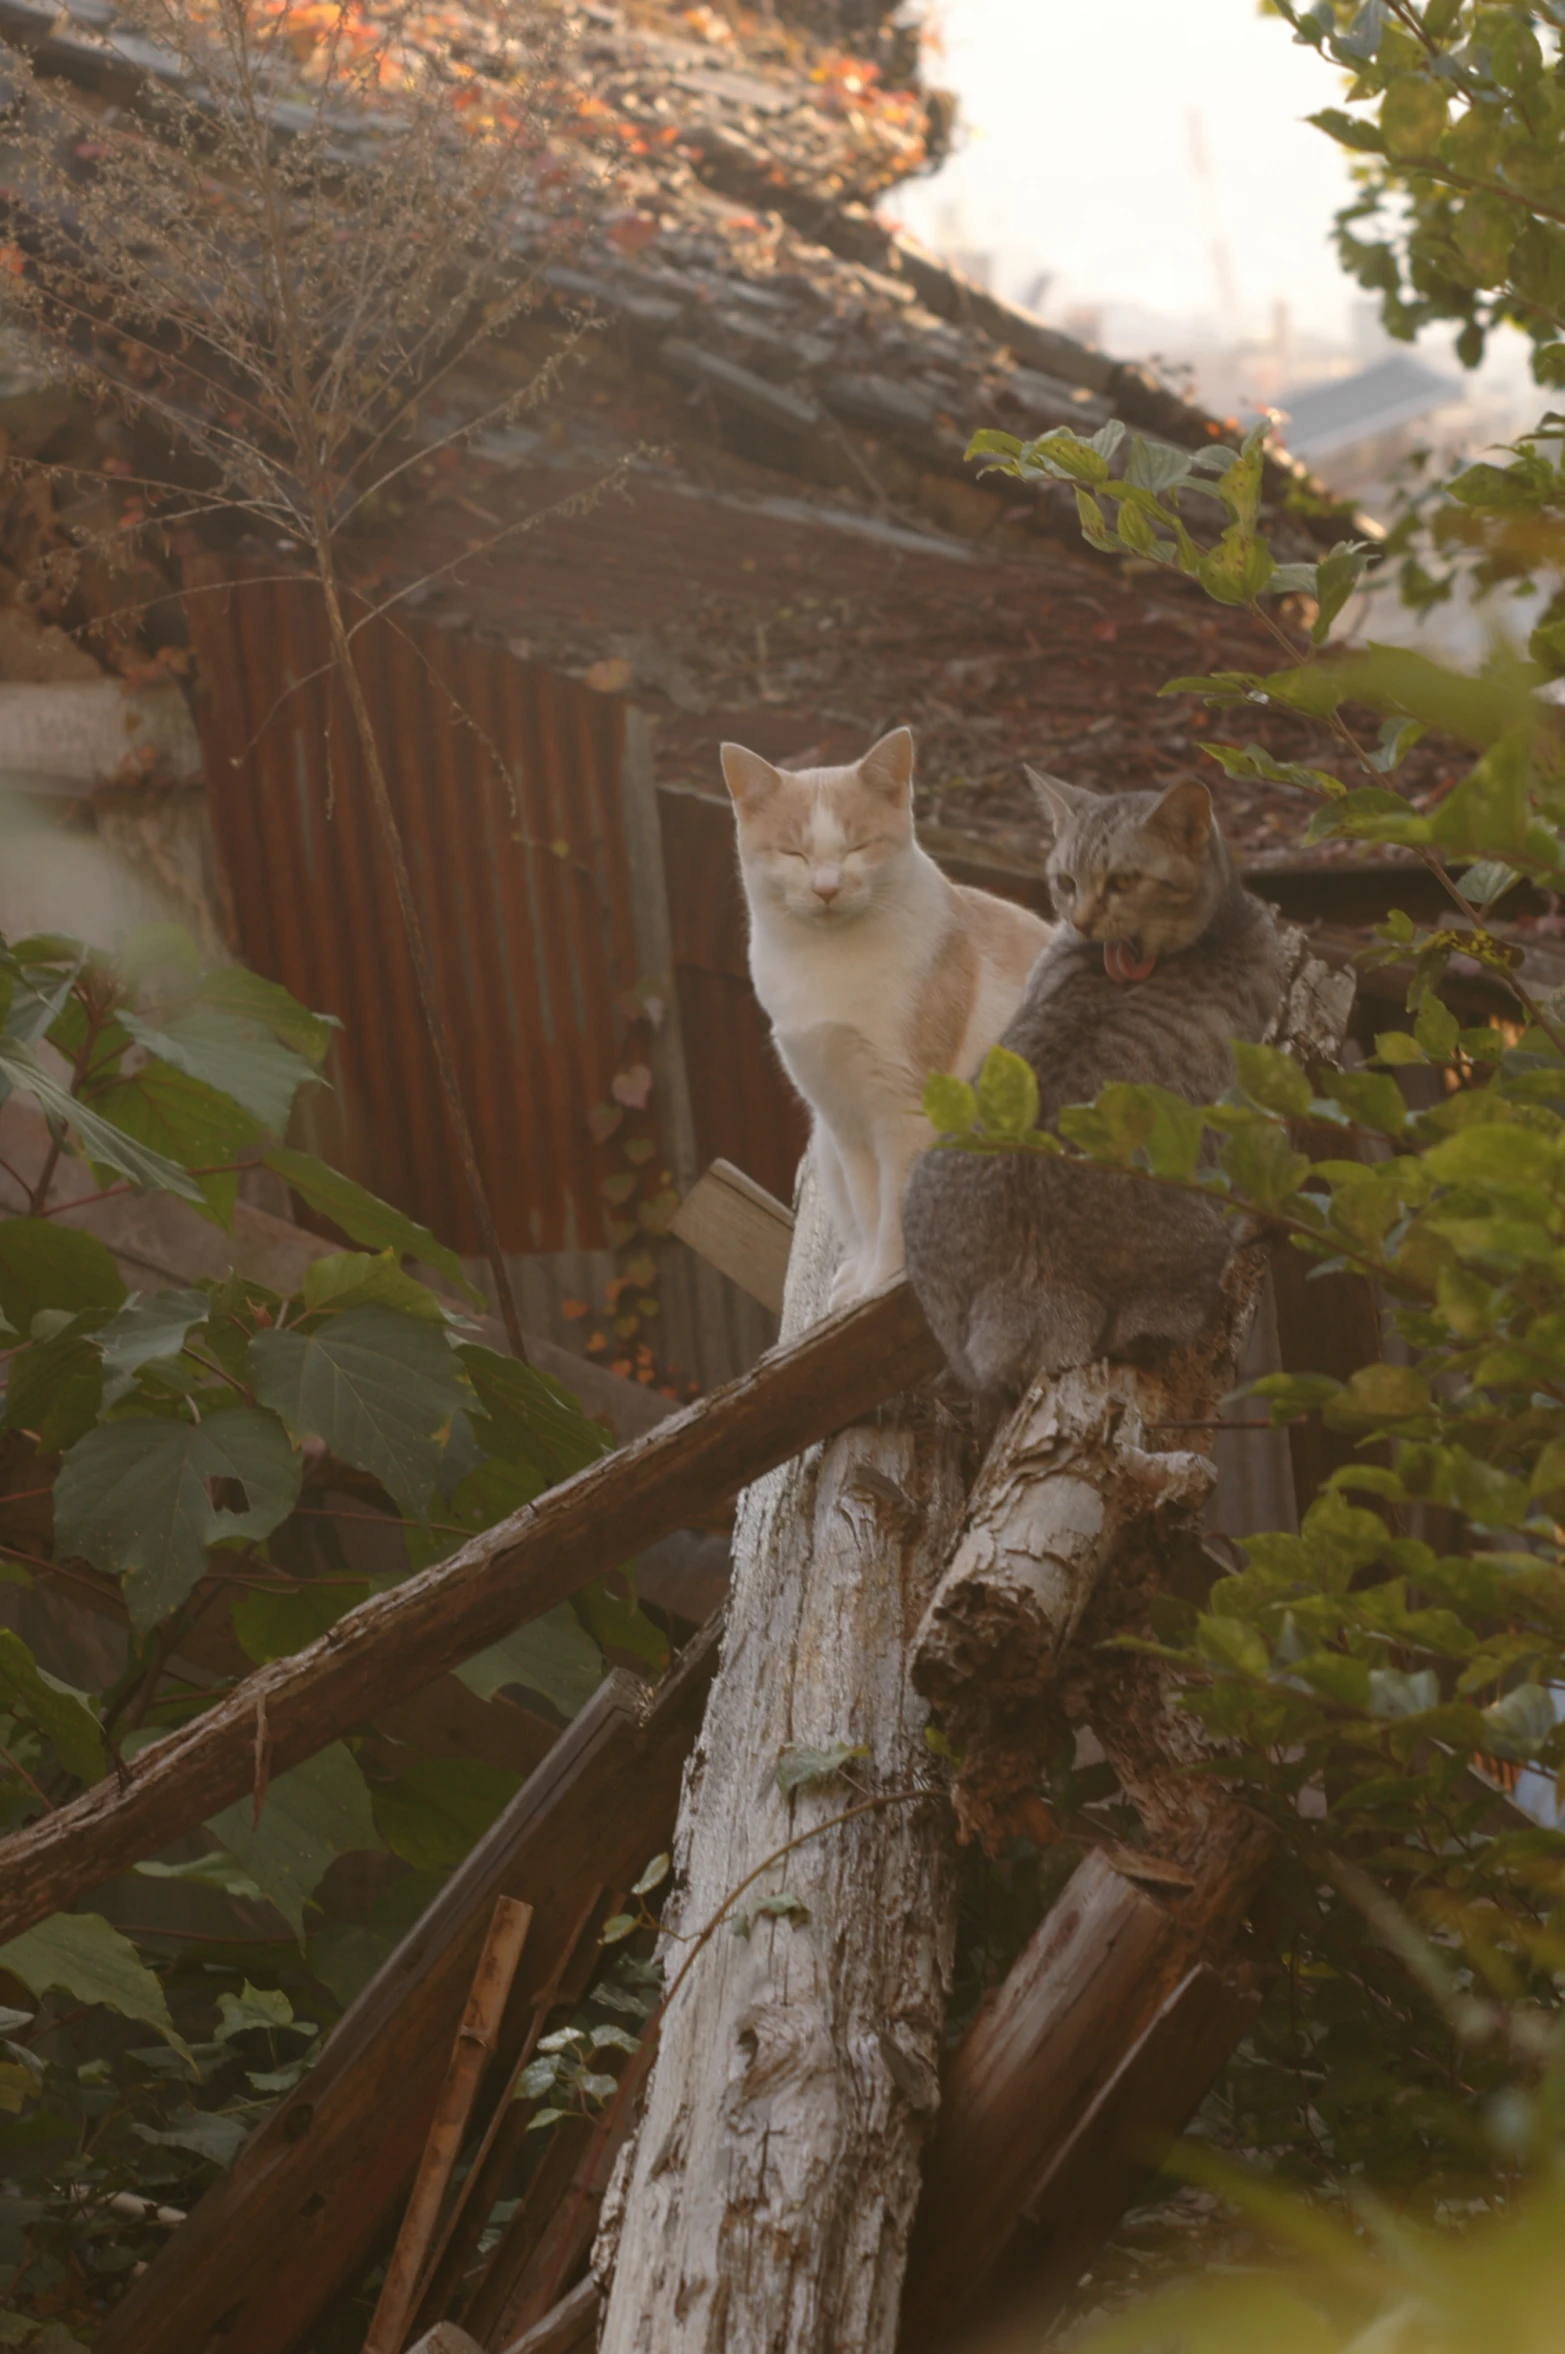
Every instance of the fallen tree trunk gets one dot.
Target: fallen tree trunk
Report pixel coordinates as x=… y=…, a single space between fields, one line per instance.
x=313 y=2190
x=396 y=1643
x=768 y=2195
x=1075 y=1486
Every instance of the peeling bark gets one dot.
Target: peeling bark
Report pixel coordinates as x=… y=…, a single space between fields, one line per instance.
x=767 y=2200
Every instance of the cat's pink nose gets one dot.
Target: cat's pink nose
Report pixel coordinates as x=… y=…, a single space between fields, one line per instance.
x=826 y=887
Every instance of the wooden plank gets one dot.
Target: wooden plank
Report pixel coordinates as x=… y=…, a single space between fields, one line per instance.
x=1040 y=2097
x=743 y=1230
x=445 y=1719
x=1104 y=2166
x=573 y=2323
x=310 y=2194
x=834 y=1374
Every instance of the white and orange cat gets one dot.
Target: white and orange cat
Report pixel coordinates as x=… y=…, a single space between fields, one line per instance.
x=875 y=971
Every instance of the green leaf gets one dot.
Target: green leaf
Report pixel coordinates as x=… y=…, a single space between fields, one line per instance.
x=1393 y=1694
x=58 y=1711
x=151 y=1326
x=46 y=1265
x=275 y=1625
x=1488 y=880
x=179 y=1119
x=1372 y=1098
x=438 y=1807
x=232 y=1056
x=1156 y=465
x=530 y=1418
x=132 y=1498
x=355 y=1279
x=209 y=2133
x=1253 y=761
x=804 y=1764
x=616 y=1621
x=1262 y=1166
x=1288 y=1394
x=654 y=1876
x=950 y=1106
x=1399 y=1047
x=80 y=1956
x=1239 y=567
x=1272 y=1079
x=1378 y=1394
x=1517 y=1726
x=105 y=1139
x=253 y=2009
x=1348 y=130
x=1007 y=1093
x=1436 y=1030
x=364 y=1218
x=230 y=989
x=1336 y=577
x=618 y=1927
x=381 y=1390
x=1413 y=115
x=311 y=1813
x=55 y=1387
x=768 y=1908
x=553 y=1655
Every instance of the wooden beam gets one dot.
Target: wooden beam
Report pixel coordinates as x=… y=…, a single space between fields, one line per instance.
x=741 y=1229
x=572 y=2324
x=1092 y=2035
x=1103 y=2167
x=394 y=1644
x=311 y=2193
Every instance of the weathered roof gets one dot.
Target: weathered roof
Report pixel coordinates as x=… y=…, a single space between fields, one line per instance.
x=1340 y=411
x=806 y=556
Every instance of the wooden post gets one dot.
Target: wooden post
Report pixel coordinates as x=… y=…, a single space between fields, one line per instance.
x=477 y=2034
x=767 y=2197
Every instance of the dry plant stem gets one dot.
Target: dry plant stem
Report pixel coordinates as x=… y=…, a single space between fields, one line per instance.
x=470 y=2209
x=474 y=2047
x=767 y=2198
x=418 y=949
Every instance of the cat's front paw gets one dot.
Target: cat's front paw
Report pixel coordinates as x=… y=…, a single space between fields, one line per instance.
x=846 y=1287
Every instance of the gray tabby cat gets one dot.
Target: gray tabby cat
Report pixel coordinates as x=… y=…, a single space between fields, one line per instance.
x=1161 y=957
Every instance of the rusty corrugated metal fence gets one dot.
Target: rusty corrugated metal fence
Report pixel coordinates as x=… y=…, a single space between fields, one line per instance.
x=505 y=779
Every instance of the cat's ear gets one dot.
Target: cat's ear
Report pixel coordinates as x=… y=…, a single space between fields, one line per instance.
x=1058 y=800
x=887 y=767
x=1184 y=817
x=749 y=778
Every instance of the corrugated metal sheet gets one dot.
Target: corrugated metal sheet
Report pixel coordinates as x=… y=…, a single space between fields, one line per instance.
x=505 y=781
x=745 y=1109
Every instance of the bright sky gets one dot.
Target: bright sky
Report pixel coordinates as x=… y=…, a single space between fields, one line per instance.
x=1078 y=157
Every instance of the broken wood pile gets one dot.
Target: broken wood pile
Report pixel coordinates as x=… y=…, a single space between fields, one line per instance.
x=804 y=2142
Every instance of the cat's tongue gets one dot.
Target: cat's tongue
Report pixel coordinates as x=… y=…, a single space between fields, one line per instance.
x=1120 y=965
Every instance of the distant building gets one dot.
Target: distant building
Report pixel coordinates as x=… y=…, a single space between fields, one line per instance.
x=1353 y=429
